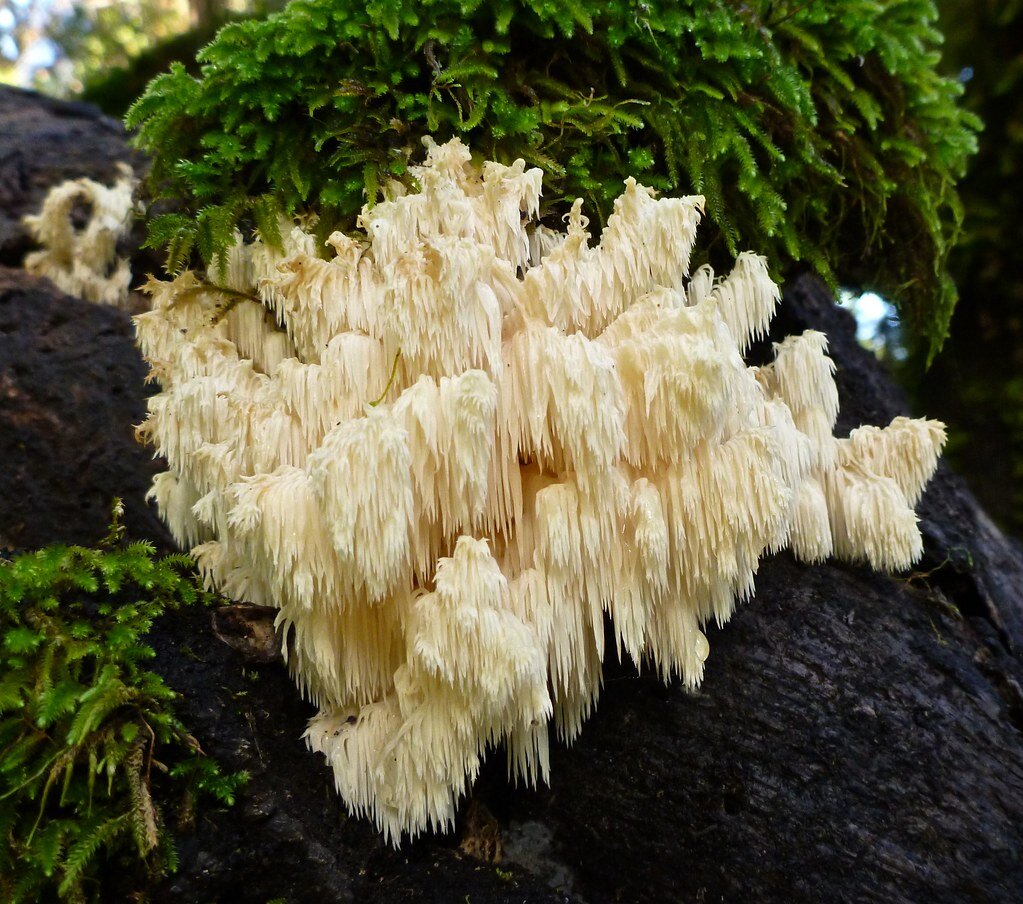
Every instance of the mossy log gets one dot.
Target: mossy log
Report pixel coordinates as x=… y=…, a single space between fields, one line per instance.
x=857 y=737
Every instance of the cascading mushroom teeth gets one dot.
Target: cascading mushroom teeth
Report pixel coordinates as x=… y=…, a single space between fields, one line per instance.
x=454 y=445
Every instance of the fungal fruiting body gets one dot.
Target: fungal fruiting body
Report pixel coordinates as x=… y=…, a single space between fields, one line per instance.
x=83 y=260
x=448 y=451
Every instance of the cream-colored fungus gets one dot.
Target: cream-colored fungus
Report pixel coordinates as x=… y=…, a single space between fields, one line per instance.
x=448 y=451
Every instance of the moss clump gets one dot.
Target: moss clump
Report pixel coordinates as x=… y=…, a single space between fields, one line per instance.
x=819 y=132
x=86 y=731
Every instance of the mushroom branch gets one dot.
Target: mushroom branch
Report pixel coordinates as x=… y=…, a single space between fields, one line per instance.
x=83 y=261
x=450 y=450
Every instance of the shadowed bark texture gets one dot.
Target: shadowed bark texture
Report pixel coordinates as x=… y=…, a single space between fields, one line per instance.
x=857 y=737
x=71 y=391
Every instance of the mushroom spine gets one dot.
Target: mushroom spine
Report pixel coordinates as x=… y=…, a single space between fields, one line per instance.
x=451 y=448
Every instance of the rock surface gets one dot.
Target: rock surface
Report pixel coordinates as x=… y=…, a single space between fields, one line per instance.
x=857 y=737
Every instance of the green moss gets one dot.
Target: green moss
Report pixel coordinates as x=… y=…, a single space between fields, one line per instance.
x=86 y=730
x=820 y=132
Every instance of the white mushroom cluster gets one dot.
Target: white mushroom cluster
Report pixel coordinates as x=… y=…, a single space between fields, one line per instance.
x=83 y=261
x=453 y=449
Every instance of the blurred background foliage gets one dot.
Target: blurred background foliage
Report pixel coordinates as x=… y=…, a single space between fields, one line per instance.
x=106 y=51
x=70 y=47
x=976 y=383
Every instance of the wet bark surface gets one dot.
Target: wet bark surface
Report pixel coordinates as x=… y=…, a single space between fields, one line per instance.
x=857 y=737
x=71 y=390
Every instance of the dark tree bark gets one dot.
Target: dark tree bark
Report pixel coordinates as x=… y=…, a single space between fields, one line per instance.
x=857 y=737
x=70 y=395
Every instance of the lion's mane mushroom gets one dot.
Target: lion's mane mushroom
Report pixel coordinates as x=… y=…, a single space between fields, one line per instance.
x=82 y=260
x=450 y=450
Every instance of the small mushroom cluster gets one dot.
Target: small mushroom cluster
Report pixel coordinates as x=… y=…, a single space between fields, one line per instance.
x=82 y=260
x=452 y=449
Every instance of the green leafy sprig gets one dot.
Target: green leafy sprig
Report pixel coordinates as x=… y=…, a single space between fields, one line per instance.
x=86 y=730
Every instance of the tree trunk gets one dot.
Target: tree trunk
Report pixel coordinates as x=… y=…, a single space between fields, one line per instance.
x=203 y=14
x=857 y=737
